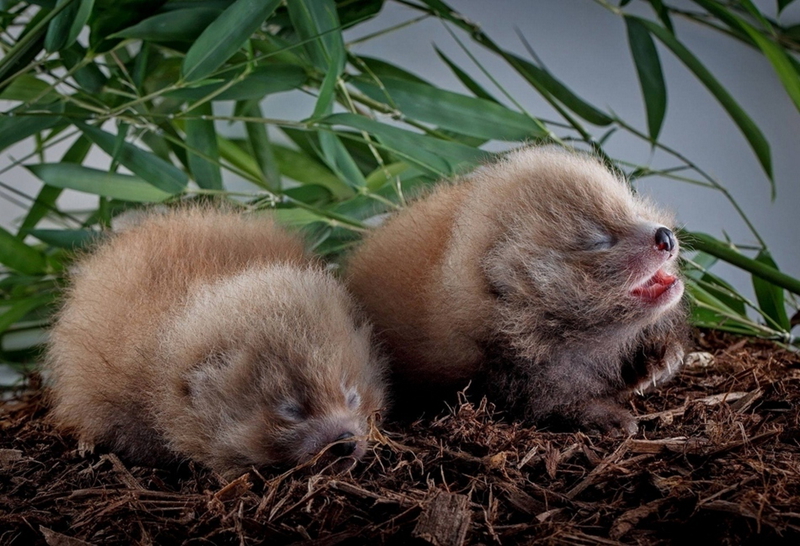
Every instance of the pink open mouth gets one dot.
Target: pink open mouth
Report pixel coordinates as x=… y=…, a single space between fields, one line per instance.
x=653 y=288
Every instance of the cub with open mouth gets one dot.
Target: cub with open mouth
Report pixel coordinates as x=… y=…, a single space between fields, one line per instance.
x=542 y=279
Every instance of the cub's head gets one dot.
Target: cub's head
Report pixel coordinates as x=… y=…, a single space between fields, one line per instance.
x=275 y=368
x=580 y=255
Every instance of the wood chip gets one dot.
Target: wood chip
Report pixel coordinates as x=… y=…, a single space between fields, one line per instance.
x=445 y=520
x=57 y=539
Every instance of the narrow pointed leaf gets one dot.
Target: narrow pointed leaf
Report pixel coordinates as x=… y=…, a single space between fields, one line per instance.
x=340 y=161
x=438 y=157
x=769 y=296
x=143 y=164
x=467 y=115
x=26 y=86
x=19 y=309
x=180 y=25
x=725 y=252
x=651 y=79
x=66 y=238
x=317 y=23
x=65 y=27
x=750 y=130
x=782 y=4
x=201 y=136
x=18 y=125
x=547 y=83
x=46 y=200
x=97 y=182
x=18 y=256
x=301 y=167
x=465 y=78
x=258 y=139
x=261 y=82
x=222 y=38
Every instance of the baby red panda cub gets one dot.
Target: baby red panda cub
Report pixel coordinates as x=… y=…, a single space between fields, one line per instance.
x=205 y=334
x=541 y=278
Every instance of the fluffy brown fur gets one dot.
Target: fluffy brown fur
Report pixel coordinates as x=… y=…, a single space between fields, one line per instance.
x=201 y=333
x=539 y=278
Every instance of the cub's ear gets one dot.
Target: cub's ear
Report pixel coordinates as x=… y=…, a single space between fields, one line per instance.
x=203 y=374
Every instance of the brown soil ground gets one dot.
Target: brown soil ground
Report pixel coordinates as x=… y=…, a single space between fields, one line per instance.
x=717 y=461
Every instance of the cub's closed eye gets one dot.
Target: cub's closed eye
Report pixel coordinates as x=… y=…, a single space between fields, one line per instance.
x=602 y=243
x=292 y=412
x=353 y=399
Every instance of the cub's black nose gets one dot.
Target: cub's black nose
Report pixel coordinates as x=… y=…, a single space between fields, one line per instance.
x=665 y=240
x=345 y=445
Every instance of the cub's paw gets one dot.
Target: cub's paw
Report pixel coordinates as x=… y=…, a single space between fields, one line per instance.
x=607 y=417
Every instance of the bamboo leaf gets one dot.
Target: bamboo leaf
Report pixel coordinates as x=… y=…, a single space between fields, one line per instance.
x=65 y=27
x=103 y=183
x=727 y=253
x=547 y=84
x=261 y=82
x=651 y=79
x=261 y=147
x=147 y=166
x=301 y=167
x=782 y=4
x=769 y=296
x=465 y=78
x=20 y=124
x=340 y=161
x=222 y=38
x=180 y=25
x=21 y=308
x=750 y=130
x=46 y=200
x=65 y=238
x=20 y=257
x=201 y=136
x=773 y=52
x=26 y=86
x=467 y=115
x=438 y=157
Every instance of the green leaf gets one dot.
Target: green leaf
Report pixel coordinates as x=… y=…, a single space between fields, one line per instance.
x=382 y=69
x=439 y=157
x=467 y=115
x=261 y=147
x=547 y=84
x=769 y=296
x=26 y=86
x=201 y=136
x=143 y=164
x=19 y=309
x=340 y=161
x=663 y=14
x=750 y=130
x=20 y=257
x=727 y=253
x=387 y=173
x=103 y=183
x=782 y=4
x=180 y=25
x=651 y=79
x=20 y=124
x=774 y=53
x=65 y=238
x=317 y=24
x=465 y=78
x=222 y=38
x=46 y=200
x=301 y=167
x=65 y=27
x=261 y=82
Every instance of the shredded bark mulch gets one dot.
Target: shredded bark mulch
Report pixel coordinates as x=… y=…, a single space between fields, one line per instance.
x=716 y=461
